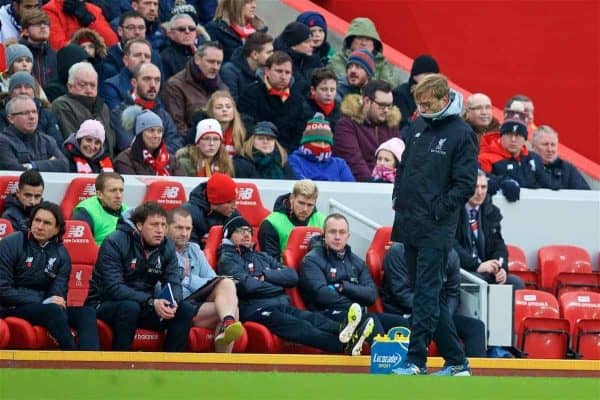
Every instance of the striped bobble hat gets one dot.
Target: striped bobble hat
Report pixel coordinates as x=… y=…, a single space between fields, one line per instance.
x=317 y=129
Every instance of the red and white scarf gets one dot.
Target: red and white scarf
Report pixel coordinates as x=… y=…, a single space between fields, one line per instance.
x=159 y=163
x=243 y=31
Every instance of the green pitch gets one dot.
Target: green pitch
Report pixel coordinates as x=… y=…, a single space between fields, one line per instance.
x=188 y=385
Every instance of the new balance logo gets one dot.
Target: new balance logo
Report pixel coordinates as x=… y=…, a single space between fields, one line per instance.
x=170 y=192
x=76 y=231
x=88 y=191
x=245 y=193
x=11 y=188
x=2 y=229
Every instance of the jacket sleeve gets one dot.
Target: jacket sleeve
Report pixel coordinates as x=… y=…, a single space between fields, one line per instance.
x=314 y=283
x=173 y=101
x=466 y=260
x=65 y=116
x=345 y=173
x=463 y=178
x=122 y=164
x=203 y=270
x=81 y=214
x=364 y=292
x=347 y=147
x=171 y=273
x=396 y=277
x=173 y=138
x=543 y=179
x=279 y=274
x=110 y=94
x=60 y=285
x=113 y=283
x=52 y=128
x=229 y=76
x=269 y=240
x=232 y=264
x=10 y=248
x=58 y=164
x=102 y=26
x=574 y=178
x=8 y=159
x=495 y=246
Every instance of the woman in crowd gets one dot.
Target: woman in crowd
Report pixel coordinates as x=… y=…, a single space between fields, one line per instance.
x=208 y=154
x=262 y=156
x=148 y=154
x=388 y=156
x=19 y=58
x=85 y=149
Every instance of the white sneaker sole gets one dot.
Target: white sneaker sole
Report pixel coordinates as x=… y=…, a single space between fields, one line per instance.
x=354 y=317
x=368 y=329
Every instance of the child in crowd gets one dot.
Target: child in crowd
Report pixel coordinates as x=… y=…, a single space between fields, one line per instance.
x=318 y=31
x=388 y=156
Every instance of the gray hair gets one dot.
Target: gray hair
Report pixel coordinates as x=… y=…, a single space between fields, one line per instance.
x=10 y=106
x=481 y=173
x=79 y=67
x=177 y=17
x=543 y=129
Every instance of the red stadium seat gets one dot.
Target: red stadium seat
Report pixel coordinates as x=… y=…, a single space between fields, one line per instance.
x=81 y=246
x=169 y=194
x=552 y=260
x=580 y=281
x=517 y=265
x=261 y=340
x=8 y=185
x=541 y=333
x=79 y=189
x=4 y=334
x=295 y=250
x=202 y=340
x=23 y=335
x=6 y=228
x=213 y=242
x=582 y=309
x=250 y=205
x=374 y=260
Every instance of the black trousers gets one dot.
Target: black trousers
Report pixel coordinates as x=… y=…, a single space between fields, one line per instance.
x=59 y=322
x=430 y=313
x=300 y=326
x=125 y=316
x=472 y=333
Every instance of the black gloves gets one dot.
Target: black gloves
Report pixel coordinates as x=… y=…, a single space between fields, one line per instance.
x=511 y=189
x=77 y=9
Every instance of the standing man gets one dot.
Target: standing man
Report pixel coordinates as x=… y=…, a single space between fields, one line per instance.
x=18 y=205
x=102 y=211
x=219 y=308
x=434 y=180
x=130 y=263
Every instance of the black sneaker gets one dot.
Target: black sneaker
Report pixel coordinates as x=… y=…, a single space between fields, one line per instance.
x=355 y=345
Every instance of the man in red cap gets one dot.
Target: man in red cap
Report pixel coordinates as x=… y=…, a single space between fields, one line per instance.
x=211 y=203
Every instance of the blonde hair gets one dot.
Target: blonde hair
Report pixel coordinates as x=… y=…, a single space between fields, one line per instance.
x=306 y=188
x=238 y=129
x=220 y=162
x=232 y=11
x=249 y=147
x=436 y=83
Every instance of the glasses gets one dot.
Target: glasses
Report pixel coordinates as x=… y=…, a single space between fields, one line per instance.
x=190 y=28
x=26 y=112
x=135 y=27
x=210 y=139
x=385 y=106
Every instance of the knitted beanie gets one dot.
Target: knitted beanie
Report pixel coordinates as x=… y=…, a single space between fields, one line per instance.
x=295 y=33
x=364 y=59
x=206 y=126
x=91 y=128
x=514 y=126
x=312 y=18
x=20 y=78
x=220 y=189
x=147 y=119
x=424 y=64
x=15 y=52
x=395 y=146
x=234 y=223
x=317 y=129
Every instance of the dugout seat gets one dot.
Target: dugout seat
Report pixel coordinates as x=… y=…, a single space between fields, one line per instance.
x=374 y=260
x=250 y=205
x=295 y=250
x=83 y=250
x=8 y=185
x=169 y=194
x=540 y=331
x=582 y=309
x=213 y=242
x=262 y=340
x=4 y=334
x=6 y=228
x=79 y=189
x=517 y=265
x=202 y=340
x=556 y=259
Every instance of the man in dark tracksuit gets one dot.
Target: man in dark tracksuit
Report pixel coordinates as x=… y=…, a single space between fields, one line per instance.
x=434 y=180
x=29 y=194
x=261 y=292
x=34 y=275
x=130 y=262
x=397 y=297
x=332 y=277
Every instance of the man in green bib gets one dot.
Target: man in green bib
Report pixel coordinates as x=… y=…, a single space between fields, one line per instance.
x=102 y=211
x=290 y=210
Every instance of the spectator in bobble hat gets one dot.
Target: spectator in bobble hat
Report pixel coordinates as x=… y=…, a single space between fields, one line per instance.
x=359 y=70
x=296 y=41
x=313 y=159
x=262 y=156
x=211 y=203
x=318 y=32
x=85 y=149
x=208 y=153
x=388 y=155
x=403 y=98
x=148 y=154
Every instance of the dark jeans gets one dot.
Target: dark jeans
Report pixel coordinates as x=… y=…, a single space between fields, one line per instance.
x=125 y=316
x=472 y=333
x=59 y=322
x=300 y=326
x=430 y=314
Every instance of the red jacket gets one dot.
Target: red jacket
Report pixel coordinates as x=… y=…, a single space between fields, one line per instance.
x=2 y=58
x=491 y=151
x=62 y=26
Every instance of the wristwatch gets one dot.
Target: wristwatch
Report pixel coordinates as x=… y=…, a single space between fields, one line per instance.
x=150 y=302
